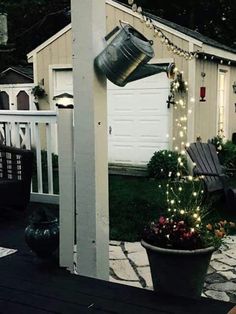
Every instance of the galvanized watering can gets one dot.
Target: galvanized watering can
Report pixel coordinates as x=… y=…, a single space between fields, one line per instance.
x=125 y=58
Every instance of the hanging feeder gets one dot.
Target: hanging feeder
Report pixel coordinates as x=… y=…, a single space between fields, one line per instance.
x=202 y=93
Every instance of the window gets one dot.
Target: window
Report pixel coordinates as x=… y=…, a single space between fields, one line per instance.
x=4 y=101
x=22 y=100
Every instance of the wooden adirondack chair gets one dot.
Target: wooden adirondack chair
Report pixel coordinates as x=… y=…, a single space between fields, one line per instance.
x=15 y=177
x=207 y=164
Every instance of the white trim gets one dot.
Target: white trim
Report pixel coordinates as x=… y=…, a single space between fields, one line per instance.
x=44 y=198
x=226 y=70
x=35 y=68
x=49 y=41
x=19 y=85
x=158 y=24
x=51 y=74
x=219 y=52
x=191 y=94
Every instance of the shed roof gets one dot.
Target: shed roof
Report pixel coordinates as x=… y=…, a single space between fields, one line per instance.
x=26 y=71
x=191 y=33
x=171 y=25
x=187 y=31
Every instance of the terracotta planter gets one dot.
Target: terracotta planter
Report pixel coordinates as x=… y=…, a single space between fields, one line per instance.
x=178 y=272
x=43 y=237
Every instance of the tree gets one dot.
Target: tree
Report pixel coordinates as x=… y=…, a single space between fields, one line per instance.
x=213 y=18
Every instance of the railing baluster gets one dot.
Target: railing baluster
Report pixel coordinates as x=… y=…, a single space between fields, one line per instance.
x=49 y=158
x=27 y=140
x=16 y=134
x=7 y=133
x=38 y=158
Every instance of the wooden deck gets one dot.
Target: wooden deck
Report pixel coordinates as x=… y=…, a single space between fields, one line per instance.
x=30 y=286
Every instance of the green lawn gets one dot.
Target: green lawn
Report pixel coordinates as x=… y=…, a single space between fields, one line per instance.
x=135 y=201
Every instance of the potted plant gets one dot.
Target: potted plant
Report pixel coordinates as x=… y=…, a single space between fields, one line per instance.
x=38 y=91
x=42 y=233
x=180 y=242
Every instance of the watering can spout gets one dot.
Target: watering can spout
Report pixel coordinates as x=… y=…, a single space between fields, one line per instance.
x=146 y=70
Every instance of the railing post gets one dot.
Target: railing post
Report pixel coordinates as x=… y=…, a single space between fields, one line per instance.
x=66 y=187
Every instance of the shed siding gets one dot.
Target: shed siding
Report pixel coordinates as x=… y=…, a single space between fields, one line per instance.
x=206 y=112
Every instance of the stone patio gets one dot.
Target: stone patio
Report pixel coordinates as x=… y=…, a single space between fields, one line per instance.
x=129 y=266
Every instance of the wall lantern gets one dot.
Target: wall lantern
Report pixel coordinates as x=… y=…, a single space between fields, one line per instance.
x=234 y=87
x=64 y=100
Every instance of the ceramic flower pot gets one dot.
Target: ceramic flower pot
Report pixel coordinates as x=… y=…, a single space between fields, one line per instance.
x=178 y=272
x=43 y=237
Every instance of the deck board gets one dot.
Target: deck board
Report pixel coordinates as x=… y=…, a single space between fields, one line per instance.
x=28 y=285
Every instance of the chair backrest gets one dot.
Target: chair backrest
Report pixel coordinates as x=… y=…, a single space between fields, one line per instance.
x=205 y=157
x=15 y=175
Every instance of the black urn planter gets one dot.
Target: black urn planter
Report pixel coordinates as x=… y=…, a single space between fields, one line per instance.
x=42 y=237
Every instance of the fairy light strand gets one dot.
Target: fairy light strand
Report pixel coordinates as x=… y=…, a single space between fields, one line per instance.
x=188 y=55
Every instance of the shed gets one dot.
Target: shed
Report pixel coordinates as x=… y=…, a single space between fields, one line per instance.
x=139 y=118
x=16 y=83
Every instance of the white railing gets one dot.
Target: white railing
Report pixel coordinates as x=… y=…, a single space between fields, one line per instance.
x=35 y=130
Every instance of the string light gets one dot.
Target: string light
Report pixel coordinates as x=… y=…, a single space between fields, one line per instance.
x=166 y=41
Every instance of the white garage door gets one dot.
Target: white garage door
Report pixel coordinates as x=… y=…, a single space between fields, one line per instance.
x=138 y=118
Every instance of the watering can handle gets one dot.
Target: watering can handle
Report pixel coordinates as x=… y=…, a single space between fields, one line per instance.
x=112 y=33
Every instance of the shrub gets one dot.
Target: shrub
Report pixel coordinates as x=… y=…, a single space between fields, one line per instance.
x=228 y=155
x=164 y=164
x=226 y=151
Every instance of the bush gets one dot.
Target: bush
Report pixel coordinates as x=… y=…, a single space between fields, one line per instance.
x=228 y=155
x=164 y=164
x=226 y=151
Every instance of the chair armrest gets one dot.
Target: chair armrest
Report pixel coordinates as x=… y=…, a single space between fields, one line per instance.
x=201 y=173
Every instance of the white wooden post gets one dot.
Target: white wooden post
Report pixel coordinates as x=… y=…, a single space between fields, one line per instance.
x=92 y=227
x=66 y=187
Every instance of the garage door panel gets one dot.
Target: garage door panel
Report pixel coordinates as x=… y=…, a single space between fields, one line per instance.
x=155 y=128
x=139 y=118
x=121 y=153
x=146 y=151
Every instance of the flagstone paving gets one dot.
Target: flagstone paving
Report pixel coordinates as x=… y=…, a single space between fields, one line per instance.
x=129 y=265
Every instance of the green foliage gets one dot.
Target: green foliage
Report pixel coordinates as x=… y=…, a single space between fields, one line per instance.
x=226 y=151
x=228 y=154
x=164 y=164
x=136 y=201
x=38 y=91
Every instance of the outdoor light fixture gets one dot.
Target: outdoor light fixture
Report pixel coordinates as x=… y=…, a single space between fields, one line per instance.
x=234 y=87
x=64 y=100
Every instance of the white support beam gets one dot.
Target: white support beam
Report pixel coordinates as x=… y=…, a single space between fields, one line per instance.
x=191 y=97
x=66 y=188
x=92 y=227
